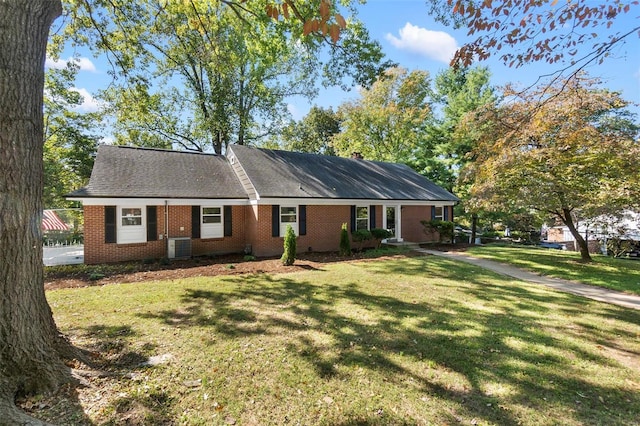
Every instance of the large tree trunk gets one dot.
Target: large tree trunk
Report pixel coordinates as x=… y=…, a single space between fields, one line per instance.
x=474 y=227
x=30 y=346
x=580 y=241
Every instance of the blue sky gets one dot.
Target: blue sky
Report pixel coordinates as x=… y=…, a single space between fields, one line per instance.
x=411 y=38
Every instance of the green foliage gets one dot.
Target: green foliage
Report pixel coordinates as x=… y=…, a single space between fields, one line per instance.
x=70 y=137
x=389 y=120
x=361 y=236
x=618 y=247
x=345 y=242
x=444 y=228
x=379 y=234
x=289 y=255
x=573 y=156
x=202 y=74
x=249 y=258
x=313 y=133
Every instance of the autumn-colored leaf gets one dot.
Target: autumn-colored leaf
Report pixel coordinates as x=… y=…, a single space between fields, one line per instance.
x=334 y=32
x=285 y=10
x=341 y=21
x=324 y=10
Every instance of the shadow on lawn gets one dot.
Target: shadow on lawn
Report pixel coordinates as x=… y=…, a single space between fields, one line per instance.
x=410 y=341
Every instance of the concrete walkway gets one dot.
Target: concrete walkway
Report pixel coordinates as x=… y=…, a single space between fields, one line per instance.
x=592 y=292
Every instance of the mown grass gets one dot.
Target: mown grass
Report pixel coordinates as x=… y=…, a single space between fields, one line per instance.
x=406 y=341
x=604 y=271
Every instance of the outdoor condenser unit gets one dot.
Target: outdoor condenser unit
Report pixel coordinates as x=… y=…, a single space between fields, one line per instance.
x=179 y=248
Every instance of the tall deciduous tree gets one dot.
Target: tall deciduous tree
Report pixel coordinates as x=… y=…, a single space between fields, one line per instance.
x=31 y=349
x=457 y=92
x=314 y=133
x=202 y=74
x=389 y=121
x=69 y=139
x=573 y=156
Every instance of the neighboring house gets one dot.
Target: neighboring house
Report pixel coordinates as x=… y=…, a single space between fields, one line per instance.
x=149 y=203
x=625 y=226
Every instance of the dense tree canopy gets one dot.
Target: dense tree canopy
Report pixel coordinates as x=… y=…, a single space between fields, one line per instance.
x=202 y=74
x=70 y=137
x=389 y=121
x=314 y=133
x=573 y=156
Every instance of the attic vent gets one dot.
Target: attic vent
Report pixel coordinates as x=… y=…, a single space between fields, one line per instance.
x=179 y=248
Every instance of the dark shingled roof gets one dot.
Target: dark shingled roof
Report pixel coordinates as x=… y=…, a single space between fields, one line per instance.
x=285 y=174
x=126 y=172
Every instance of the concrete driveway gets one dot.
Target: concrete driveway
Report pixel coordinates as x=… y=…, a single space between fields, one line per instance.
x=64 y=255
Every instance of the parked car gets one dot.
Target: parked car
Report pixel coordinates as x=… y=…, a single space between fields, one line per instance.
x=552 y=245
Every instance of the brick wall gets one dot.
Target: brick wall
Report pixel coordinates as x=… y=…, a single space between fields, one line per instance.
x=96 y=251
x=251 y=227
x=324 y=224
x=412 y=230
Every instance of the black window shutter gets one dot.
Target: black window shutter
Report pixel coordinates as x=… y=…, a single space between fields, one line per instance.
x=110 y=224
x=433 y=212
x=228 y=221
x=302 y=221
x=451 y=213
x=275 y=220
x=152 y=223
x=353 y=219
x=445 y=210
x=372 y=216
x=195 y=221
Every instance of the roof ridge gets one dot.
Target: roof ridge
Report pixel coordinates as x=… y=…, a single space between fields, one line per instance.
x=169 y=151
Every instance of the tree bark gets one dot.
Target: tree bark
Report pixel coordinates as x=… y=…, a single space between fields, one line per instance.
x=474 y=227
x=580 y=241
x=30 y=346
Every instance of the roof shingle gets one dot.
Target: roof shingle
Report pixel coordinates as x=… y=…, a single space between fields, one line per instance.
x=285 y=174
x=127 y=172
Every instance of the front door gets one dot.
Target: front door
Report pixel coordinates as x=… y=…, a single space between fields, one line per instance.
x=390 y=224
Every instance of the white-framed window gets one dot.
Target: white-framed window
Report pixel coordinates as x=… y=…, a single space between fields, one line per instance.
x=212 y=222
x=439 y=213
x=362 y=217
x=131 y=225
x=288 y=216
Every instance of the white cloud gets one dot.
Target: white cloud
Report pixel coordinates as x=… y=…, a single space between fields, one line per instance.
x=89 y=103
x=85 y=64
x=436 y=45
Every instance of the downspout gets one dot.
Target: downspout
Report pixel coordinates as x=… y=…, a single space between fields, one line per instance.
x=166 y=229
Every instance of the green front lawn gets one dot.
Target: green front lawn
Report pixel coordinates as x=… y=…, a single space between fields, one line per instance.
x=616 y=274
x=406 y=341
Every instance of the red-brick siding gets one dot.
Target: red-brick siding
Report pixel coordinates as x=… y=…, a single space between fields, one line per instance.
x=96 y=251
x=324 y=224
x=233 y=244
x=412 y=229
x=251 y=227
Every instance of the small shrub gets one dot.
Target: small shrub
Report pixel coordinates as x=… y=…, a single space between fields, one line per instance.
x=361 y=236
x=231 y=266
x=345 y=243
x=379 y=234
x=95 y=276
x=249 y=258
x=444 y=228
x=148 y=260
x=165 y=261
x=289 y=255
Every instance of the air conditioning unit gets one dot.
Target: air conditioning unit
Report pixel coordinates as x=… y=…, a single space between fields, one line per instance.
x=179 y=248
